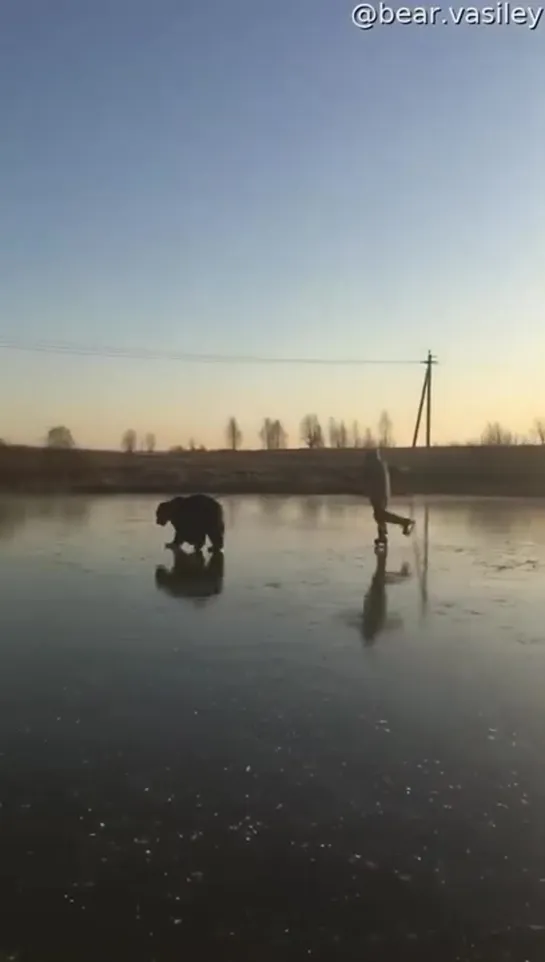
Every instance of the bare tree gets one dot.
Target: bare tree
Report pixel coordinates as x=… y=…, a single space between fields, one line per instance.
x=539 y=430
x=368 y=439
x=129 y=441
x=60 y=437
x=495 y=434
x=177 y=449
x=342 y=441
x=265 y=433
x=272 y=434
x=149 y=442
x=357 y=440
x=234 y=434
x=338 y=435
x=279 y=435
x=385 y=431
x=311 y=432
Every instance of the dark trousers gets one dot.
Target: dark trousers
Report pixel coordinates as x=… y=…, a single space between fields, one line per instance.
x=384 y=517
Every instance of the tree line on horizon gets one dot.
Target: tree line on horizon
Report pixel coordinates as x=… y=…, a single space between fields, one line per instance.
x=274 y=437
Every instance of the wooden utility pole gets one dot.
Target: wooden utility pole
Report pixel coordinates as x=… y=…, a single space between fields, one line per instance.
x=425 y=396
x=428 y=404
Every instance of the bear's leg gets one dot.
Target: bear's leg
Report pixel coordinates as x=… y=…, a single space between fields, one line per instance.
x=217 y=538
x=177 y=541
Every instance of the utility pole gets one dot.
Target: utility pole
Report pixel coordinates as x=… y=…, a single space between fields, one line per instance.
x=425 y=396
x=428 y=404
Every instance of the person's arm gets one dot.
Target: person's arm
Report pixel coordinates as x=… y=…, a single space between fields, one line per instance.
x=400 y=478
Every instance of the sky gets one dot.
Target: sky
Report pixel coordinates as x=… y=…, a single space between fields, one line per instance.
x=266 y=179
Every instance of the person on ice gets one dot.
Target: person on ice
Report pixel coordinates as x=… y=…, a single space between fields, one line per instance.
x=378 y=486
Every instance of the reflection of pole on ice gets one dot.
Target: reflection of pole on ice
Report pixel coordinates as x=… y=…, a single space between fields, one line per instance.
x=422 y=562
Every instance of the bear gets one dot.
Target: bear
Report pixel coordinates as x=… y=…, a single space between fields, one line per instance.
x=194 y=518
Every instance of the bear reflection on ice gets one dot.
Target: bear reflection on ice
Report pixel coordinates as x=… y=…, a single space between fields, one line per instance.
x=194 y=519
x=191 y=576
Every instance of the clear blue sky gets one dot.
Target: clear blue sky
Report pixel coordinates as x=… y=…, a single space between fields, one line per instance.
x=267 y=179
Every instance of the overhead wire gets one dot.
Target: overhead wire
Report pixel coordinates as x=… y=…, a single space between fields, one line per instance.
x=144 y=354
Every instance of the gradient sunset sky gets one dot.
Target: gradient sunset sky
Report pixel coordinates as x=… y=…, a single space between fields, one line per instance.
x=266 y=179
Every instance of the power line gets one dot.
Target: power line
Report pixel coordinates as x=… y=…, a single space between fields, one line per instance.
x=81 y=350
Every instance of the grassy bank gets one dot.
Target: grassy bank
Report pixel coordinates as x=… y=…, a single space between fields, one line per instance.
x=495 y=470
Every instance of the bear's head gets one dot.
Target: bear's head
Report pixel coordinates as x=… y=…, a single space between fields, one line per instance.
x=163 y=513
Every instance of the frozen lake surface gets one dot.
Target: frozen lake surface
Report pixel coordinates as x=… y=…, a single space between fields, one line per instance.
x=316 y=760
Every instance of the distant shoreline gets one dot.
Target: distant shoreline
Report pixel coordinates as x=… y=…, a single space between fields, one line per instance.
x=67 y=490
x=478 y=471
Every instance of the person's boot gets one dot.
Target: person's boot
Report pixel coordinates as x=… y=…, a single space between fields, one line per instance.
x=408 y=527
x=382 y=536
